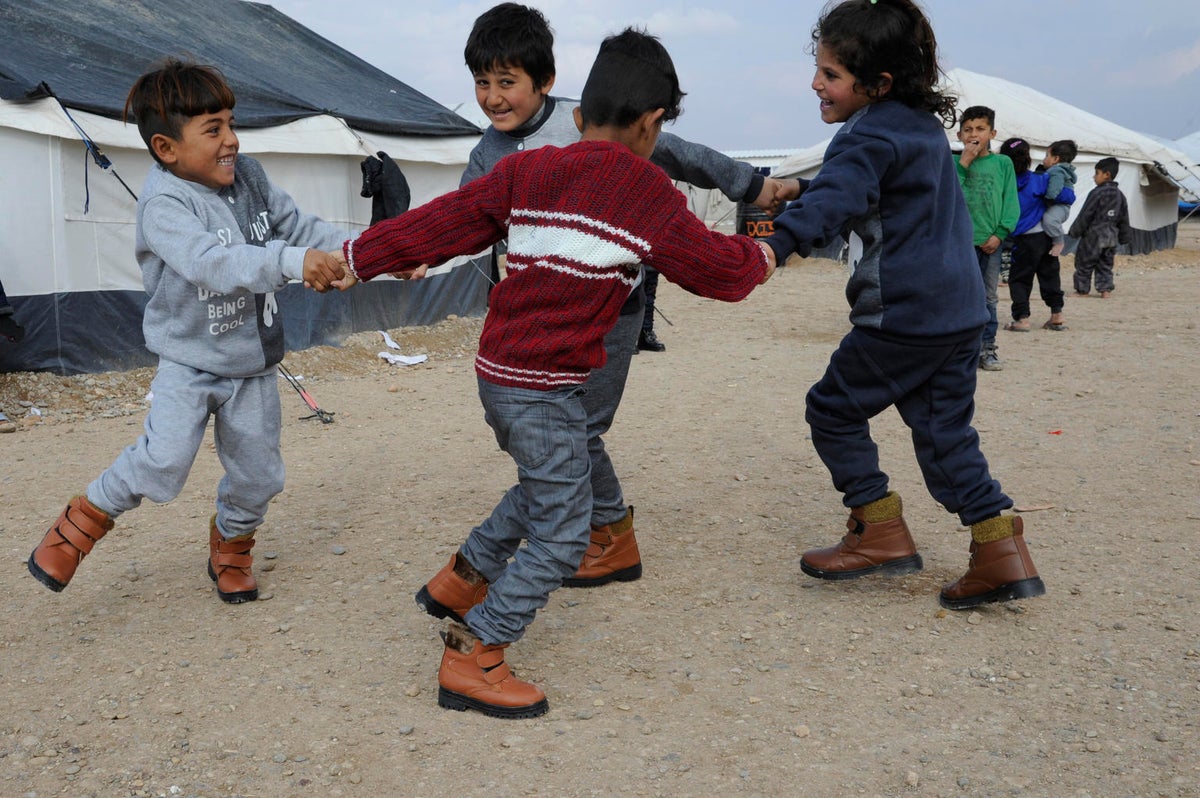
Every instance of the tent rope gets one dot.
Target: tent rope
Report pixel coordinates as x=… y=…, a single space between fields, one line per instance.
x=91 y=148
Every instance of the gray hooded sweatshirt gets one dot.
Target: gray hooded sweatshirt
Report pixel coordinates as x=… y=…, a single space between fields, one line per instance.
x=211 y=263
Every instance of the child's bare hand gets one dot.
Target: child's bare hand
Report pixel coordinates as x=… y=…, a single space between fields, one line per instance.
x=770 y=253
x=972 y=150
x=321 y=270
x=347 y=280
x=412 y=274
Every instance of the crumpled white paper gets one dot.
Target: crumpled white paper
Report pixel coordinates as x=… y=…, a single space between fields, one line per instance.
x=399 y=360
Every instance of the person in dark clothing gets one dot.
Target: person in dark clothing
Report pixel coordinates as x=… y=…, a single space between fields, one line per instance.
x=889 y=186
x=647 y=340
x=1102 y=226
x=9 y=328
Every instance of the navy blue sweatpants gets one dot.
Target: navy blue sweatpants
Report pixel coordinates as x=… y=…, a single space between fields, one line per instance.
x=932 y=384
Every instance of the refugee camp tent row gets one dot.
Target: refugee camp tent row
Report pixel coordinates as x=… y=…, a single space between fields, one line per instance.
x=309 y=110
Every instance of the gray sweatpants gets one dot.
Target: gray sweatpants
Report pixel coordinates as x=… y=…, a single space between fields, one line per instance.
x=246 y=426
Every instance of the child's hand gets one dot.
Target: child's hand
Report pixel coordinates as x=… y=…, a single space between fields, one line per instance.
x=347 y=280
x=972 y=150
x=321 y=270
x=412 y=274
x=770 y=253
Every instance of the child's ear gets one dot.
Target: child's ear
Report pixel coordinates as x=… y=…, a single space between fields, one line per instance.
x=545 y=88
x=653 y=118
x=578 y=118
x=163 y=147
x=885 y=85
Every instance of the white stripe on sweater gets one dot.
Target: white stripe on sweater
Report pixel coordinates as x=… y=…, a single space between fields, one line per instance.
x=578 y=219
x=529 y=376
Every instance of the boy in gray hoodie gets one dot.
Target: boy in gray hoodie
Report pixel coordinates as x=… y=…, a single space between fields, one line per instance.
x=215 y=241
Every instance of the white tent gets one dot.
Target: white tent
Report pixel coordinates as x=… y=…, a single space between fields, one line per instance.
x=1190 y=146
x=68 y=224
x=1150 y=171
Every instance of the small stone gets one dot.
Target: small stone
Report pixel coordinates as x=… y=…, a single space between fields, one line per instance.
x=801 y=731
x=974 y=619
x=338 y=550
x=412 y=691
x=911 y=779
x=1093 y=746
x=404 y=731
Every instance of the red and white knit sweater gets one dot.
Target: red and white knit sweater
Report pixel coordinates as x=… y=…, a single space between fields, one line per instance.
x=578 y=220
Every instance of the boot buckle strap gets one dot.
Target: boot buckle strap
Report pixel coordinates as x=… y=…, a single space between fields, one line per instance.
x=497 y=674
x=228 y=559
x=74 y=536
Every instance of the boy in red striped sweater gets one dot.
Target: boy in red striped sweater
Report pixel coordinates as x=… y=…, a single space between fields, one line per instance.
x=578 y=220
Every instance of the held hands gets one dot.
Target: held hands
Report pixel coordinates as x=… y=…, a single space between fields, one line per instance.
x=775 y=192
x=991 y=245
x=325 y=270
x=347 y=279
x=322 y=270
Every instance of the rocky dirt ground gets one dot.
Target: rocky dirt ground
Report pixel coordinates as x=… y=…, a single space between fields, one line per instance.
x=724 y=670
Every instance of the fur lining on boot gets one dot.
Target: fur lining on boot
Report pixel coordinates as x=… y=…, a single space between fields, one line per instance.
x=884 y=509
x=459 y=638
x=992 y=529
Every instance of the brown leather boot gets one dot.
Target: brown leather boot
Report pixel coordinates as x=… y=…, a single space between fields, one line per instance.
x=475 y=676
x=229 y=564
x=1000 y=569
x=612 y=556
x=69 y=539
x=453 y=591
x=877 y=540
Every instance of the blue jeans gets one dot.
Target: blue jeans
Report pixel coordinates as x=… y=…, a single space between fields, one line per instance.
x=602 y=397
x=989 y=265
x=545 y=433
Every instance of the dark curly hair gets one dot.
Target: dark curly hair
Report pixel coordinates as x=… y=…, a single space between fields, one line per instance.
x=870 y=37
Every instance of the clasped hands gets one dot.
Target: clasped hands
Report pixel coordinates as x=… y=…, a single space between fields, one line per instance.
x=325 y=270
x=776 y=192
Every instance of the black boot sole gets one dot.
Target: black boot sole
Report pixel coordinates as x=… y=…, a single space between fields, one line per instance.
x=240 y=597
x=630 y=574
x=43 y=577
x=904 y=565
x=448 y=699
x=437 y=609
x=1026 y=588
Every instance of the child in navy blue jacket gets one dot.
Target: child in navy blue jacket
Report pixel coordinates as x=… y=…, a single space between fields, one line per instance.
x=889 y=186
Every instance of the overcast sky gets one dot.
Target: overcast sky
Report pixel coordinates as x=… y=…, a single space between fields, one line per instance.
x=746 y=71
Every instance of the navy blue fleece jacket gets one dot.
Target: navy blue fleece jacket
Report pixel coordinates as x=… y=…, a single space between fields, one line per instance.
x=889 y=187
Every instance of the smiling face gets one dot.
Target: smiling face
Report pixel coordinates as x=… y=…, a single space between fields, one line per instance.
x=205 y=151
x=837 y=89
x=508 y=97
